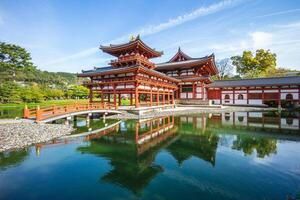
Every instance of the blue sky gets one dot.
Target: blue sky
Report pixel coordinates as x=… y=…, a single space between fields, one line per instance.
x=64 y=35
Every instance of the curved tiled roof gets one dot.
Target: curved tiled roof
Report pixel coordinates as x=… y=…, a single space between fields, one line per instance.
x=118 y=49
x=272 y=81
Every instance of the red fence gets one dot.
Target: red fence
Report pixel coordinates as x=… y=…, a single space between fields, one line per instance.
x=51 y=111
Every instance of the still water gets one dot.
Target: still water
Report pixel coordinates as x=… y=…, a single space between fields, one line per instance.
x=207 y=156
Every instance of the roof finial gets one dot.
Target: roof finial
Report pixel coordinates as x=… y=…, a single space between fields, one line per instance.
x=132 y=38
x=138 y=37
x=179 y=48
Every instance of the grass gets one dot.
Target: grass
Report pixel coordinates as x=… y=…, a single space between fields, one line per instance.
x=124 y=102
x=44 y=103
x=12 y=110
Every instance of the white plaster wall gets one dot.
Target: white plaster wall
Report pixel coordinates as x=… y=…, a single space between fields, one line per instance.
x=240 y=101
x=240 y=92
x=227 y=118
x=239 y=116
x=255 y=102
x=293 y=126
x=290 y=90
x=216 y=101
x=182 y=95
x=270 y=91
x=199 y=89
x=295 y=96
x=255 y=114
x=199 y=96
x=255 y=91
x=190 y=95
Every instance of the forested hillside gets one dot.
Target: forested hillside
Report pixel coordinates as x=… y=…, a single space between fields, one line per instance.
x=22 y=81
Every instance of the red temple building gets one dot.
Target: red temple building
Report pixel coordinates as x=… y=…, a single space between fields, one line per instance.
x=183 y=79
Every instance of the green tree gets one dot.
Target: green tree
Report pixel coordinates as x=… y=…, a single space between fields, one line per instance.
x=32 y=94
x=10 y=92
x=77 y=91
x=12 y=59
x=260 y=65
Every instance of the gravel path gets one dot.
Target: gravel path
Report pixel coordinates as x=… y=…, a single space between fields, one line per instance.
x=22 y=134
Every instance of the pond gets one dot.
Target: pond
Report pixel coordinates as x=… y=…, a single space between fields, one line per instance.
x=241 y=155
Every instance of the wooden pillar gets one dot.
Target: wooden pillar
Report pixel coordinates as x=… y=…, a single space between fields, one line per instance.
x=137 y=125
x=108 y=97
x=220 y=96
x=233 y=101
x=247 y=96
x=169 y=97
x=137 y=102
x=115 y=96
x=131 y=96
x=299 y=98
x=194 y=90
x=202 y=85
x=163 y=97
x=279 y=98
x=91 y=95
x=157 y=98
x=173 y=101
x=120 y=99
x=151 y=98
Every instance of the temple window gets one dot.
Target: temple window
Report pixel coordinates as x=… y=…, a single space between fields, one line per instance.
x=289 y=97
x=240 y=96
x=187 y=88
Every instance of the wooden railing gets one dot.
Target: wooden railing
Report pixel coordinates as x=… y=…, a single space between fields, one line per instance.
x=51 y=111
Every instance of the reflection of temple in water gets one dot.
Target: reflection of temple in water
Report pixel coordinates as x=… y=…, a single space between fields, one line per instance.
x=274 y=122
x=132 y=154
x=194 y=140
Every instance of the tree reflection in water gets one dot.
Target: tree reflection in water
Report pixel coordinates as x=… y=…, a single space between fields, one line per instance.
x=13 y=158
x=263 y=146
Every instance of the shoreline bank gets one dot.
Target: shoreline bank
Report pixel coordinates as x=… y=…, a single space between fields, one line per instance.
x=18 y=135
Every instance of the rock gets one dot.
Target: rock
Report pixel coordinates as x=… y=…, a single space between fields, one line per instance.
x=20 y=135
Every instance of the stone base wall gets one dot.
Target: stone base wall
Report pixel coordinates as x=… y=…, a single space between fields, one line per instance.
x=192 y=102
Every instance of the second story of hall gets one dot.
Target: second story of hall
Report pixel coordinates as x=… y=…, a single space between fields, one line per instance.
x=182 y=66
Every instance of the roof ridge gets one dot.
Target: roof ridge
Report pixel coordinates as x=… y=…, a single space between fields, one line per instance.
x=273 y=77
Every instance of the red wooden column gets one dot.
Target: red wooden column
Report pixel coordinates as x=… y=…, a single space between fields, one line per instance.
x=279 y=97
x=233 y=101
x=247 y=95
x=151 y=98
x=202 y=85
x=91 y=95
x=115 y=96
x=263 y=94
x=108 y=97
x=137 y=126
x=194 y=90
x=120 y=99
x=299 y=98
x=131 y=96
x=163 y=97
x=137 y=102
x=220 y=96
x=102 y=95
x=169 y=98
x=157 y=96
x=173 y=101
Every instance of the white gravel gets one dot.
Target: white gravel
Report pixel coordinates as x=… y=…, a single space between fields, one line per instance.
x=19 y=135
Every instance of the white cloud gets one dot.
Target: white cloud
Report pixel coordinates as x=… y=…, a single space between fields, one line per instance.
x=279 y=13
x=78 y=55
x=261 y=39
x=202 y=11
x=284 y=42
x=149 y=30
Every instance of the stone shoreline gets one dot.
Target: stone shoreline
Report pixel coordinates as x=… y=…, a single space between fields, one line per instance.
x=22 y=134
x=187 y=111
